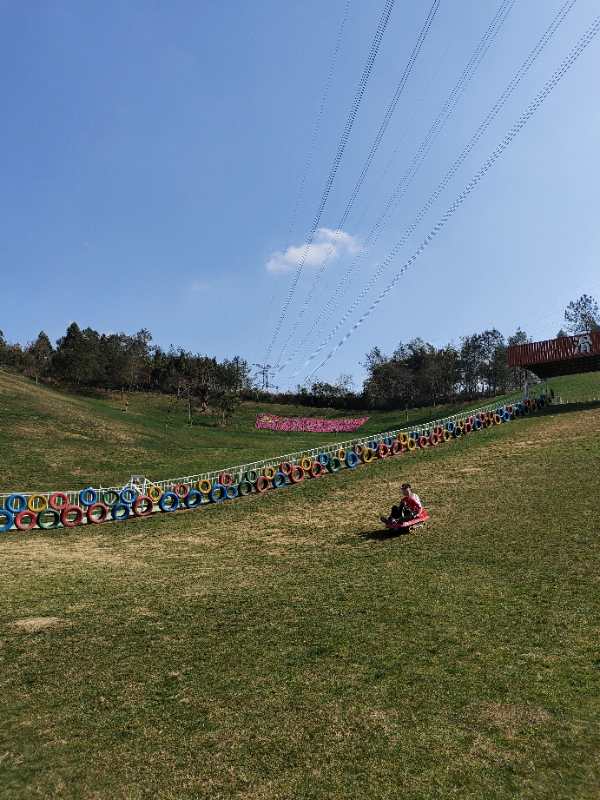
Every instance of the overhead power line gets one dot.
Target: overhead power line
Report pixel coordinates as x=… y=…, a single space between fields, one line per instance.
x=419 y=157
x=458 y=162
x=533 y=107
x=362 y=86
x=319 y=118
x=368 y=161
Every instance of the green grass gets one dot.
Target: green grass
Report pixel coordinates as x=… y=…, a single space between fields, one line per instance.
x=51 y=440
x=574 y=388
x=282 y=647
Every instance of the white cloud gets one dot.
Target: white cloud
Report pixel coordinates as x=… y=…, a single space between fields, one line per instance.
x=326 y=244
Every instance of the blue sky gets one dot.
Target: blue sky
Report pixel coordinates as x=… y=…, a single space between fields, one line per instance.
x=151 y=155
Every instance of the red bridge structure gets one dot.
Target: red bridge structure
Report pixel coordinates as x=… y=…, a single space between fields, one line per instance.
x=563 y=356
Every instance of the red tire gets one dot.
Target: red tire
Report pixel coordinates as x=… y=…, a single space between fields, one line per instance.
x=423 y=441
x=433 y=439
x=25 y=520
x=383 y=450
x=225 y=479
x=285 y=467
x=180 y=489
x=143 y=506
x=67 y=512
x=97 y=513
x=262 y=484
x=468 y=427
x=396 y=448
x=297 y=474
x=317 y=470
x=58 y=501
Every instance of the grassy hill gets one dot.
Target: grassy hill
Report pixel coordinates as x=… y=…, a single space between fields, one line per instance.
x=283 y=647
x=53 y=440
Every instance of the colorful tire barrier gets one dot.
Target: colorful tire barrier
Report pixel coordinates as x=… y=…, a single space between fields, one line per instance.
x=71 y=516
x=143 y=506
x=262 y=484
x=48 y=511
x=87 y=497
x=127 y=496
x=25 y=520
x=37 y=503
x=218 y=493
x=48 y=519
x=97 y=513
x=120 y=511
x=109 y=497
x=205 y=486
x=16 y=503
x=7 y=519
x=168 y=502
x=297 y=474
x=193 y=498
x=351 y=460
x=279 y=480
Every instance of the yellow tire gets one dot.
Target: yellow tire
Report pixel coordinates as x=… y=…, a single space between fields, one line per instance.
x=367 y=455
x=411 y=444
x=37 y=502
x=306 y=463
x=269 y=472
x=204 y=486
x=341 y=454
x=154 y=493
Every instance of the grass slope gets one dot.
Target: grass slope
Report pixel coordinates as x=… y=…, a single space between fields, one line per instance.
x=282 y=647
x=52 y=440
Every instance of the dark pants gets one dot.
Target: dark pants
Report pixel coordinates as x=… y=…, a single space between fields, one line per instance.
x=402 y=513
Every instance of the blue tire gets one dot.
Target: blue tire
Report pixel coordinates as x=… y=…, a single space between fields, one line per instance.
x=477 y=425
x=16 y=503
x=7 y=519
x=120 y=511
x=218 y=493
x=388 y=440
x=323 y=459
x=352 y=460
x=168 y=502
x=280 y=479
x=193 y=498
x=128 y=495
x=231 y=492
x=450 y=426
x=87 y=497
x=334 y=464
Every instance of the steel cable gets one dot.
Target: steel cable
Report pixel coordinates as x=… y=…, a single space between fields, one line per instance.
x=362 y=86
x=424 y=148
x=458 y=162
x=513 y=132
x=371 y=155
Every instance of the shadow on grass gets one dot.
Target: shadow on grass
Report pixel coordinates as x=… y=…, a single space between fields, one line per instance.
x=566 y=408
x=382 y=535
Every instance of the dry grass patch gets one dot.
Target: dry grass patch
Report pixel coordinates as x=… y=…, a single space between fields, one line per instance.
x=36 y=624
x=512 y=718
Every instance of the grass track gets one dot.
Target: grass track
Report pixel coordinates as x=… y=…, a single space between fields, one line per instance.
x=51 y=440
x=281 y=647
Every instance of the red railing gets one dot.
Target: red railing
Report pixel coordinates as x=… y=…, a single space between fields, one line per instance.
x=565 y=348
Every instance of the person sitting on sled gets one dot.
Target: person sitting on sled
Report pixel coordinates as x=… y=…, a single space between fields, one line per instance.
x=410 y=506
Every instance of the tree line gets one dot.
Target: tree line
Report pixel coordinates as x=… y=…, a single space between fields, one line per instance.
x=415 y=373
x=88 y=360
